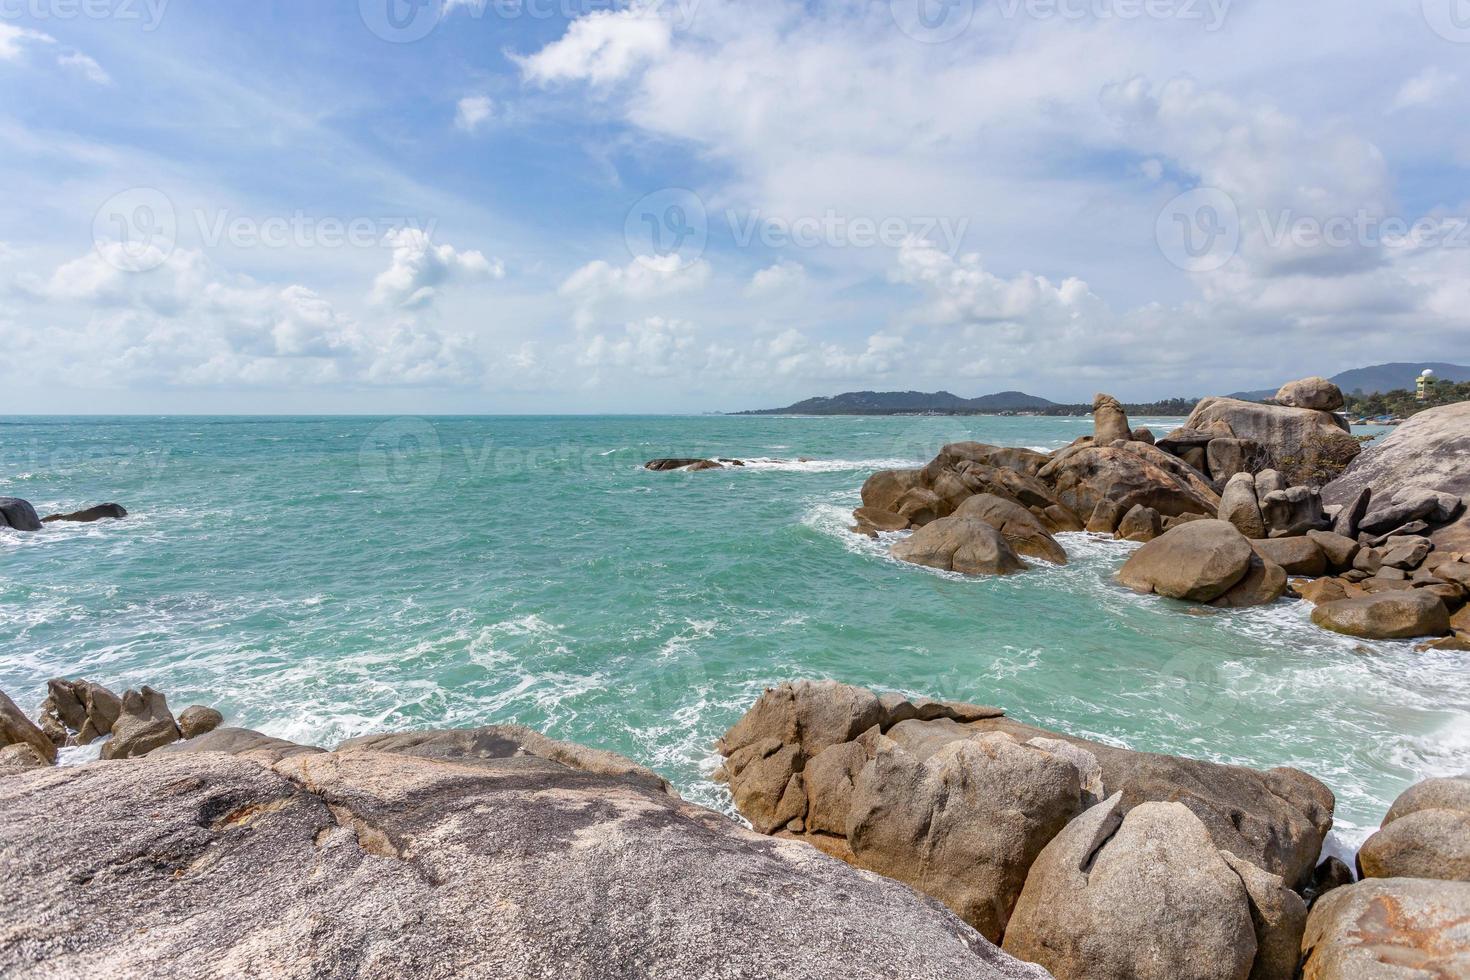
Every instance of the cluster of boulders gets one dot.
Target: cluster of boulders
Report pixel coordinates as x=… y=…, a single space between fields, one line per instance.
x=81 y=712
x=981 y=509
x=1380 y=551
x=1094 y=861
x=490 y=852
x=19 y=515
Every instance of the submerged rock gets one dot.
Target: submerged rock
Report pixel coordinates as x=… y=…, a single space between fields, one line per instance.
x=18 y=514
x=381 y=863
x=91 y=514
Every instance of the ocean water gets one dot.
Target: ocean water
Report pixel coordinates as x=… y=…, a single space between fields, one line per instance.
x=320 y=578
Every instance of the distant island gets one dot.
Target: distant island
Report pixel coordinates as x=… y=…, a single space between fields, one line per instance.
x=1371 y=391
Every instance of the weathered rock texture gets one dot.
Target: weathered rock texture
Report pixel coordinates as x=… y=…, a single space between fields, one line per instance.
x=958 y=801
x=468 y=864
x=1199 y=561
x=1426 y=834
x=1389 y=929
x=1307 y=445
x=959 y=544
x=17 y=729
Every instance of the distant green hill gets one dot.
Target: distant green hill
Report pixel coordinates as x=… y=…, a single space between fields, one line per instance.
x=1378 y=379
x=902 y=402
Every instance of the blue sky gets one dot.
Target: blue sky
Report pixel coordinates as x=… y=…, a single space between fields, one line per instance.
x=713 y=205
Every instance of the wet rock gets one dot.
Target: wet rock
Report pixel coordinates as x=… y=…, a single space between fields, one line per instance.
x=17 y=729
x=692 y=465
x=1298 y=556
x=1318 y=591
x=1389 y=928
x=1331 y=873
x=196 y=720
x=18 y=514
x=1142 y=894
x=959 y=544
x=1199 y=562
x=144 y=725
x=115 y=512
x=1385 y=616
x=1140 y=524
x=197 y=863
x=1239 y=506
x=1022 y=530
x=1315 y=393
x=1426 y=834
x=963 y=824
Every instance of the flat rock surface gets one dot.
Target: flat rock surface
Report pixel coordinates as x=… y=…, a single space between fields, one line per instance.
x=369 y=863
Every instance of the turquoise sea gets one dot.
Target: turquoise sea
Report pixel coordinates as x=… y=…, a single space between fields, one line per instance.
x=318 y=578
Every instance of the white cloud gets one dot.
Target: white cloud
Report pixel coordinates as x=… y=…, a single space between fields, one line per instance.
x=643 y=278
x=601 y=47
x=472 y=112
x=85 y=66
x=783 y=278
x=1429 y=86
x=420 y=268
x=12 y=38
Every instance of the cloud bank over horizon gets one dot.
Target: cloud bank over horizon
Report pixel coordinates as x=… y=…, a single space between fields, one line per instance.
x=711 y=205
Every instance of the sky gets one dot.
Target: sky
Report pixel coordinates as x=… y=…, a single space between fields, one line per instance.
x=531 y=206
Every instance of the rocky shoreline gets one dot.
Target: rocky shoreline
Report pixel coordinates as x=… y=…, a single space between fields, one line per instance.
x=1244 y=505
x=891 y=837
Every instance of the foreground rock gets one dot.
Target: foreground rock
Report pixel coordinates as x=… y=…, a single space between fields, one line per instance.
x=964 y=804
x=1426 y=834
x=1389 y=929
x=91 y=514
x=499 y=863
x=18 y=514
x=959 y=544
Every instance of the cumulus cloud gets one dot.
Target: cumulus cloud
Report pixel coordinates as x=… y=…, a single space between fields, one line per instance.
x=472 y=112
x=85 y=66
x=419 y=269
x=13 y=39
x=783 y=278
x=601 y=47
x=1429 y=86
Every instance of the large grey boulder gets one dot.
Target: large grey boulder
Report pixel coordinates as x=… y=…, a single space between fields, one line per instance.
x=1431 y=449
x=1386 y=616
x=959 y=544
x=1136 y=473
x=1315 y=393
x=964 y=824
x=1426 y=834
x=1022 y=530
x=372 y=863
x=1141 y=894
x=1199 y=561
x=1308 y=446
x=18 y=514
x=1389 y=929
x=17 y=729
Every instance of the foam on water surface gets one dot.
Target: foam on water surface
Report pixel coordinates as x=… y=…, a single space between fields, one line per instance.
x=315 y=579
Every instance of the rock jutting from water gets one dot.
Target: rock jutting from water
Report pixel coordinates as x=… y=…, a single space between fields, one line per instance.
x=491 y=852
